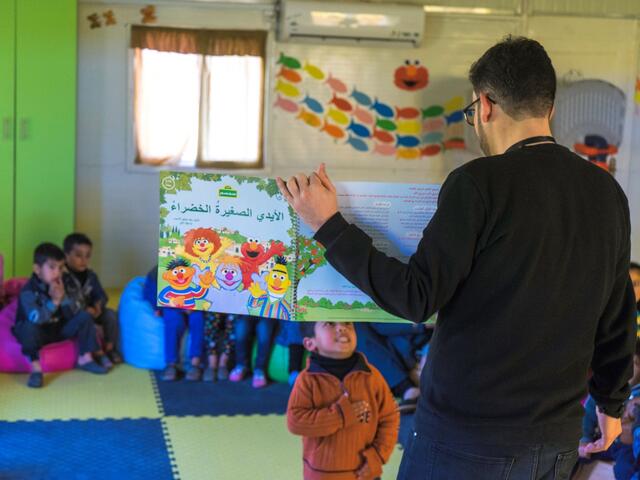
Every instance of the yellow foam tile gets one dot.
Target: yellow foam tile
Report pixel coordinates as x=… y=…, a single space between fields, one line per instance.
x=125 y=392
x=229 y=448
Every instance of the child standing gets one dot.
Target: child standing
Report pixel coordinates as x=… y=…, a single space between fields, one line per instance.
x=218 y=340
x=84 y=288
x=244 y=327
x=46 y=315
x=342 y=407
x=290 y=337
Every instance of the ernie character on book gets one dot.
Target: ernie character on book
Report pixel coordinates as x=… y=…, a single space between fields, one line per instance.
x=181 y=293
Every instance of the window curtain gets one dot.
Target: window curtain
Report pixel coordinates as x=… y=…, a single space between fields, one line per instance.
x=180 y=116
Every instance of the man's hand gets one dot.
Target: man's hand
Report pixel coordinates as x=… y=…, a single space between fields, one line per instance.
x=581 y=452
x=610 y=428
x=313 y=198
x=56 y=291
x=362 y=409
x=93 y=312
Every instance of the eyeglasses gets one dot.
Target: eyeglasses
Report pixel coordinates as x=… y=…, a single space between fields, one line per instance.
x=470 y=111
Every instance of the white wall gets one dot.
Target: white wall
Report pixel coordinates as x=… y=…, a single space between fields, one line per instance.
x=118 y=208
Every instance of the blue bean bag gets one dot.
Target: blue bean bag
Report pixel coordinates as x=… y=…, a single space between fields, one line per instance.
x=141 y=331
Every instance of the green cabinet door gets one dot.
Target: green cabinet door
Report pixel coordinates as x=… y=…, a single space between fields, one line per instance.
x=7 y=59
x=45 y=66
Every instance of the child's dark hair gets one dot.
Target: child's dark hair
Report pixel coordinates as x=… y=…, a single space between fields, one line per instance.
x=308 y=329
x=47 y=251
x=74 y=239
x=634 y=266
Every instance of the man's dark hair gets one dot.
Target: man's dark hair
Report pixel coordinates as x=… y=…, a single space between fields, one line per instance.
x=308 y=329
x=47 y=251
x=74 y=239
x=634 y=266
x=637 y=353
x=518 y=75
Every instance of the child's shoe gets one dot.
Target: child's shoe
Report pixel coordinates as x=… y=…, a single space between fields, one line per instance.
x=36 y=380
x=209 y=375
x=115 y=357
x=292 y=377
x=237 y=374
x=223 y=373
x=104 y=361
x=93 y=367
x=194 y=374
x=170 y=373
x=259 y=379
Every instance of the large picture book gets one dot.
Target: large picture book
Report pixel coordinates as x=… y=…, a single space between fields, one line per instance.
x=232 y=244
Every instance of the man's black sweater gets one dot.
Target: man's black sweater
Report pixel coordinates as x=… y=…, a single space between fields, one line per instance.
x=526 y=260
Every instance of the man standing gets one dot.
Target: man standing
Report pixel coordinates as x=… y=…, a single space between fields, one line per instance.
x=526 y=260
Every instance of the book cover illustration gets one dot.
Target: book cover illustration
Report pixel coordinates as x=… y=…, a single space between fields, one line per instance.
x=226 y=244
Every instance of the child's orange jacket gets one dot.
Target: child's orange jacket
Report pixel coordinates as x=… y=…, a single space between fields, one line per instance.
x=335 y=443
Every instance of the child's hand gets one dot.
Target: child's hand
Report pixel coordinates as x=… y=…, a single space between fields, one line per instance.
x=364 y=472
x=93 y=312
x=362 y=409
x=56 y=291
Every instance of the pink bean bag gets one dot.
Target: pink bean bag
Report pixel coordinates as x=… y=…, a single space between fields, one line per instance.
x=53 y=357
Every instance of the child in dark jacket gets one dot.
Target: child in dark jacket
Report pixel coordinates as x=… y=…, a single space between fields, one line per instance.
x=47 y=315
x=342 y=407
x=84 y=288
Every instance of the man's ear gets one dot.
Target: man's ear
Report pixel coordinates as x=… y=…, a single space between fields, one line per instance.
x=486 y=108
x=309 y=343
x=553 y=112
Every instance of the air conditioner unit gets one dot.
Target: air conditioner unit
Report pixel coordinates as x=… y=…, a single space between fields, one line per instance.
x=351 y=23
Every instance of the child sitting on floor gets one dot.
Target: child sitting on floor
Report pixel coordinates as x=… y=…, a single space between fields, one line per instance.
x=342 y=407
x=84 y=288
x=46 y=315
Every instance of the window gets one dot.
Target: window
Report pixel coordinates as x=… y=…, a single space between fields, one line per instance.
x=198 y=97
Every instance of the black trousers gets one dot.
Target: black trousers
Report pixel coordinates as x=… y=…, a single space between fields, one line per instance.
x=33 y=337
x=109 y=323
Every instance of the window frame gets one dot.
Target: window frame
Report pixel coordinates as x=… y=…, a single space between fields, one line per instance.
x=259 y=167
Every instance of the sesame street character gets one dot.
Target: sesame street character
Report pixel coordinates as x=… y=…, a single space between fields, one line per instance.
x=228 y=294
x=181 y=293
x=268 y=292
x=411 y=77
x=254 y=255
x=202 y=246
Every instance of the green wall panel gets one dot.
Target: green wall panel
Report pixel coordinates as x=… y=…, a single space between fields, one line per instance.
x=7 y=60
x=46 y=59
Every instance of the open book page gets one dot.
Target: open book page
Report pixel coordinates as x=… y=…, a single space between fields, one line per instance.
x=394 y=215
x=227 y=244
